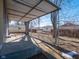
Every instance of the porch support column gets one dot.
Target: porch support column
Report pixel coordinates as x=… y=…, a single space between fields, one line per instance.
x=27 y=30
x=54 y=23
x=3 y=22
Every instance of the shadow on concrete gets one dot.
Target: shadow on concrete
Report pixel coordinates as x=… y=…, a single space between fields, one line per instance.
x=21 y=50
x=44 y=55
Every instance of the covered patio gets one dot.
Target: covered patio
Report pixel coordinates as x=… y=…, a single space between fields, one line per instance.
x=13 y=46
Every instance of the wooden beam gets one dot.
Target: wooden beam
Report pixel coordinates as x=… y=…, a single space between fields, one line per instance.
x=18 y=15
x=20 y=11
x=31 y=9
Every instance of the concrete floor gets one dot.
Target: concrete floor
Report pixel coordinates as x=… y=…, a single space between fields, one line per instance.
x=18 y=47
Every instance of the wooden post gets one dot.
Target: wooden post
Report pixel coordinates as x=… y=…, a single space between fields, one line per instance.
x=27 y=31
x=3 y=22
x=6 y=20
x=54 y=23
x=54 y=20
x=27 y=28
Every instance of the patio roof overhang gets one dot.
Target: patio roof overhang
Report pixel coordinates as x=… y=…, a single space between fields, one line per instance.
x=27 y=10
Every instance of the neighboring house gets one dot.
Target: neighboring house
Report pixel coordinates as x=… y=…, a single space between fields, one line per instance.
x=18 y=29
x=47 y=28
x=69 y=29
x=69 y=26
x=43 y=29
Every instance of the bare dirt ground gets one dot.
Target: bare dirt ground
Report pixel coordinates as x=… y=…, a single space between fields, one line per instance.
x=65 y=44
x=71 y=44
